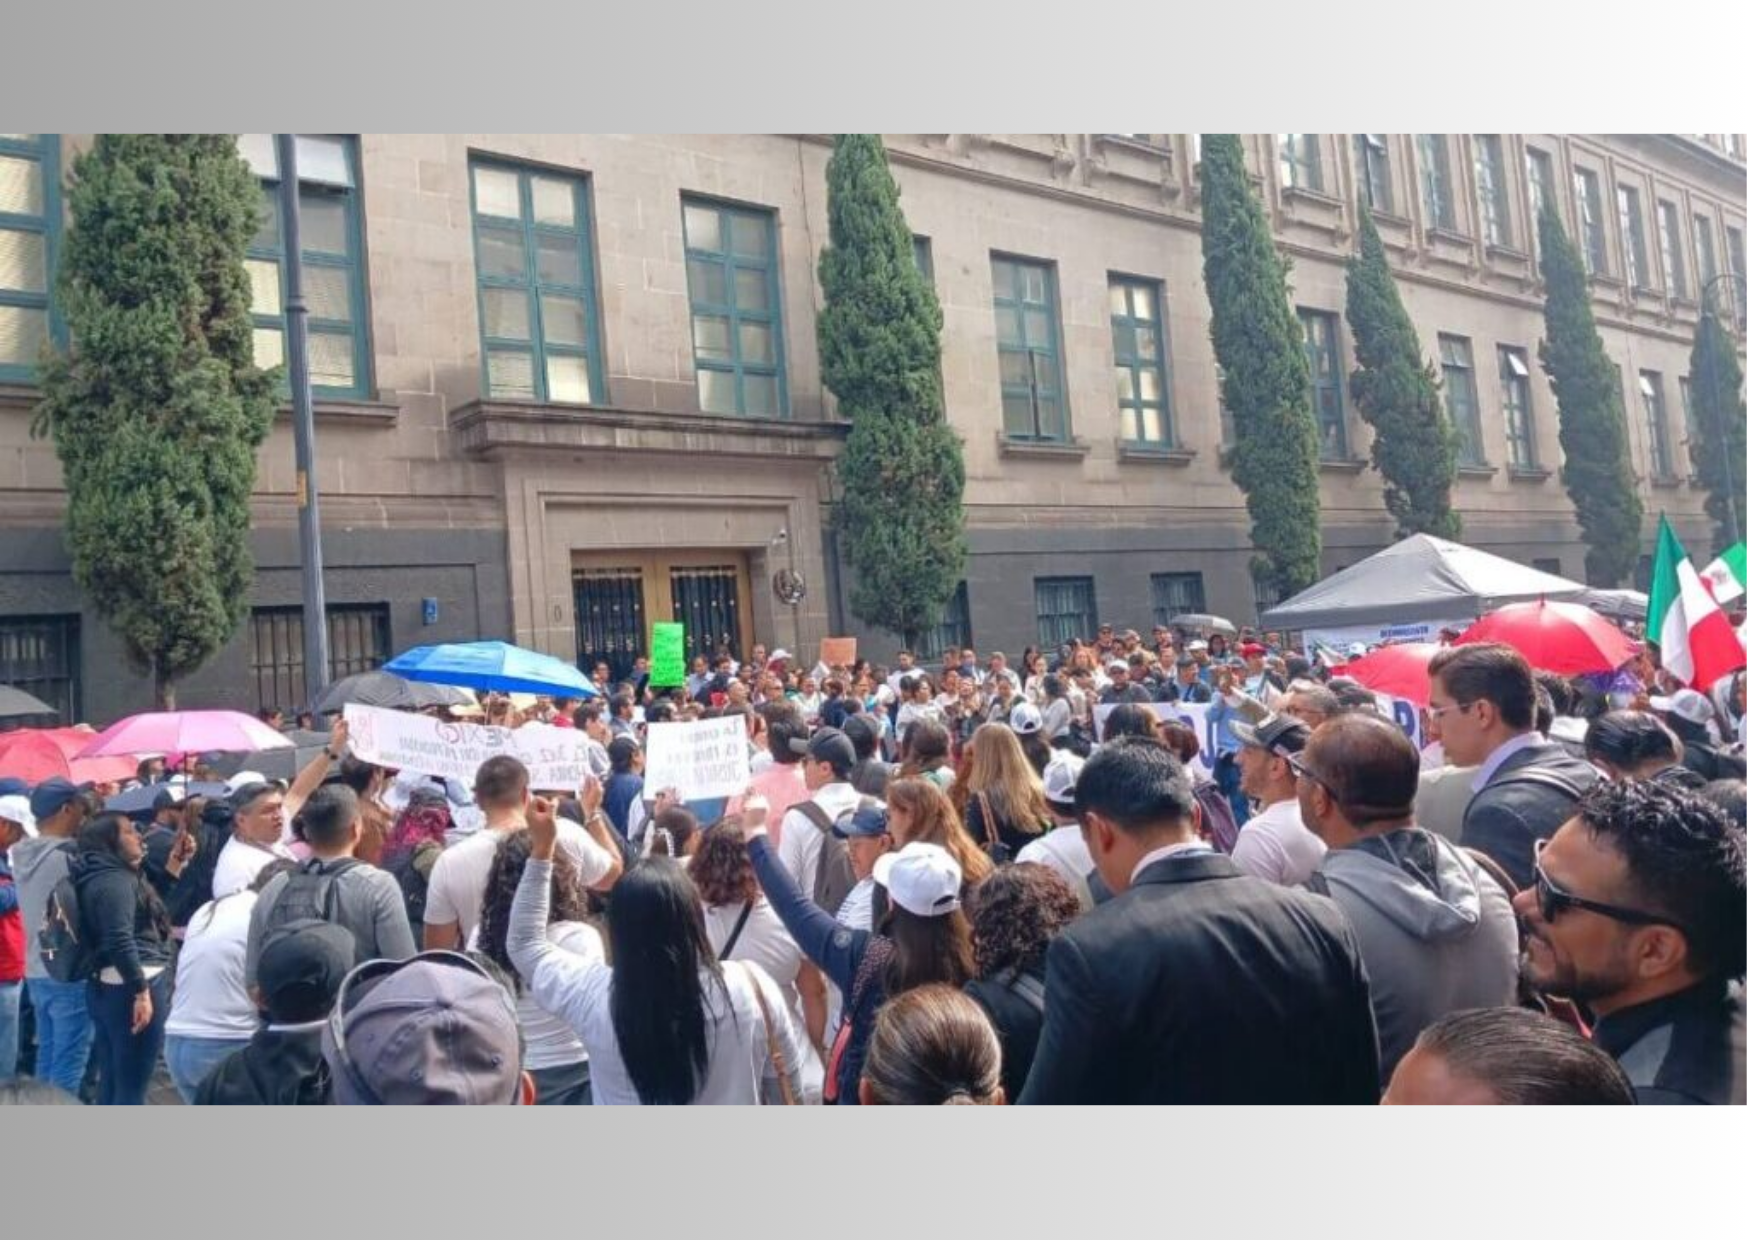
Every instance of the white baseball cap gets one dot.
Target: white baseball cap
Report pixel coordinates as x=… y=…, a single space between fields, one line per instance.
x=1688 y=704
x=242 y=779
x=922 y=879
x=17 y=809
x=1025 y=719
x=1061 y=776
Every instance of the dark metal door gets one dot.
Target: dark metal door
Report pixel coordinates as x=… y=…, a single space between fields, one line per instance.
x=707 y=600
x=610 y=618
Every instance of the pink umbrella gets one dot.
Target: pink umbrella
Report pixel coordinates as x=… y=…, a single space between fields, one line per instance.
x=1399 y=671
x=186 y=731
x=1566 y=638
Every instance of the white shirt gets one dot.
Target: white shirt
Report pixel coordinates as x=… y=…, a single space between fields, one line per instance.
x=1496 y=759
x=800 y=841
x=1062 y=848
x=548 y=1041
x=1277 y=846
x=457 y=888
x=763 y=941
x=857 y=910
x=211 y=1000
x=240 y=861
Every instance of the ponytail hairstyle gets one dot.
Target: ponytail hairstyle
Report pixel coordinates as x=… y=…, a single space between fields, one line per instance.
x=933 y=1046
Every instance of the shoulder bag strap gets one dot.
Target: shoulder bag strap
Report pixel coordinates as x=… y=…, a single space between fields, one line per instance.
x=778 y=1064
x=746 y=910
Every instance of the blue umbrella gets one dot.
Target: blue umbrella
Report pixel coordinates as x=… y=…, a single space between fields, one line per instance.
x=495 y=666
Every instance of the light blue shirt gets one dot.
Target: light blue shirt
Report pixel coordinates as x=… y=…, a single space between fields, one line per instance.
x=1496 y=759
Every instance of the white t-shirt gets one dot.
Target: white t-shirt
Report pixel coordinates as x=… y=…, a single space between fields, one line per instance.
x=1064 y=850
x=548 y=1041
x=458 y=881
x=240 y=861
x=763 y=941
x=1277 y=846
x=211 y=1000
x=857 y=910
x=799 y=845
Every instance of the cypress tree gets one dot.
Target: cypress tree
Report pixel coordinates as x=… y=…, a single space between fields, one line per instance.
x=1260 y=346
x=157 y=409
x=1593 y=434
x=902 y=469
x=1718 y=424
x=1414 y=445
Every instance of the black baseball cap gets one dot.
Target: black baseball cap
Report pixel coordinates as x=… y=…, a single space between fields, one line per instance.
x=302 y=965
x=1279 y=734
x=827 y=745
x=868 y=822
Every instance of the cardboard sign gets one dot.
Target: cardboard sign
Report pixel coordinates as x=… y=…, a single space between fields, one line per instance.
x=702 y=760
x=838 y=651
x=557 y=759
x=1193 y=715
x=667 y=655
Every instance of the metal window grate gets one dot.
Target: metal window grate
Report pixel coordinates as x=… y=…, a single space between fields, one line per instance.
x=1066 y=609
x=954 y=628
x=40 y=655
x=1176 y=593
x=359 y=640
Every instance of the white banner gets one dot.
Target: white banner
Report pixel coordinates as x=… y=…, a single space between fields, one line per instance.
x=557 y=758
x=702 y=760
x=1193 y=715
x=1378 y=634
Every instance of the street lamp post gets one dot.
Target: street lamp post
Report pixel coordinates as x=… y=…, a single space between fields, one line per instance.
x=1717 y=401
x=303 y=424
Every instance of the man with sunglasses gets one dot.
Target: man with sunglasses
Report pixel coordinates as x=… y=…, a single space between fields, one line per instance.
x=1482 y=707
x=1637 y=911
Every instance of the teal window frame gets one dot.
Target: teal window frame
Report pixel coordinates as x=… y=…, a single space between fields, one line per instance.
x=45 y=150
x=1592 y=244
x=534 y=288
x=1669 y=241
x=1300 y=161
x=1515 y=400
x=1373 y=150
x=1030 y=358
x=1456 y=356
x=1635 y=261
x=1435 y=181
x=1322 y=332
x=1490 y=188
x=731 y=217
x=1662 y=461
x=1063 y=612
x=1130 y=328
x=351 y=263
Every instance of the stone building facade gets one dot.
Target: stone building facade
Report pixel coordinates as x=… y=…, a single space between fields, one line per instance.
x=568 y=385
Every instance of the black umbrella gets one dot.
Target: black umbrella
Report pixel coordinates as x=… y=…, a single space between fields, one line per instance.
x=138 y=800
x=1195 y=620
x=274 y=763
x=388 y=691
x=16 y=703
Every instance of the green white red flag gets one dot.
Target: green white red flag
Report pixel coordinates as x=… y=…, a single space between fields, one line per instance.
x=1683 y=619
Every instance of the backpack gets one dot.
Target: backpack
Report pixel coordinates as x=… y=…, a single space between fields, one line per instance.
x=67 y=954
x=414 y=882
x=310 y=894
x=835 y=876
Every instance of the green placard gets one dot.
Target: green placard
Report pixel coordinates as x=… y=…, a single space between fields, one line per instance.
x=667 y=656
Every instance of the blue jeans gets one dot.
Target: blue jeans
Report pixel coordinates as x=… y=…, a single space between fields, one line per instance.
x=125 y=1059
x=10 y=994
x=191 y=1058
x=63 y=1031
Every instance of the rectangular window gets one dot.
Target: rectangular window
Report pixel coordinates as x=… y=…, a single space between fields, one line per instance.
x=1591 y=246
x=539 y=326
x=1514 y=398
x=358 y=641
x=737 y=326
x=1637 y=268
x=1266 y=594
x=1138 y=345
x=1323 y=351
x=953 y=630
x=1550 y=565
x=1540 y=166
x=1689 y=430
x=1228 y=428
x=333 y=269
x=1177 y=593
x=30 y=222
x=1373 y=150
x=1066 y=610
x=1656 y=424
x=1032 y=403
x=1300 y=166
x=1733 y=242
x=1642 y=574
x=40 y=655
x=1705 y=251
x=1435 y=181
x=1461 y=405
x=1490 y=187
x=922 y=252
x=1669 y=238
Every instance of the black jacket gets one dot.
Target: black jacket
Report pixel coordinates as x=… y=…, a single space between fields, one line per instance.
x=1683 y=1048
x=121 y=916
x=1526 y=800
x=278 y=1068
x=1202 y=985
x=1018 y=1024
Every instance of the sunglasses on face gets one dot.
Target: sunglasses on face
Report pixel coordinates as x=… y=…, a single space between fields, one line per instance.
x=1552 y=900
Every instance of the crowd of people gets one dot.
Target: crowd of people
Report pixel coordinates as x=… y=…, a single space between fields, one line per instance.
x=969 y=883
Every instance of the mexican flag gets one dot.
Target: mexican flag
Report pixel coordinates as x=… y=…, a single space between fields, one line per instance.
x=1693 y=634
x=1728 y=574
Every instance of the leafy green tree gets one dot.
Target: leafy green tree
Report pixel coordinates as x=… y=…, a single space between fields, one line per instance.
x=1414 y=445
x=902 y=469
x=157 y=409
x=1719 y=424
x=1593 y=435
x=1267 y=387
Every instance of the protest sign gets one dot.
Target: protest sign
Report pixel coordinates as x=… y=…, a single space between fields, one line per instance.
x=1193 y=715
x=838 y=651
x=667 y=655
x=1405 y=714
x=557 y=758
x=701 y=760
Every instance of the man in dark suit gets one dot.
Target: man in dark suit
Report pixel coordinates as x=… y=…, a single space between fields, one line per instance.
x=1194 y=983
x=1482 y=707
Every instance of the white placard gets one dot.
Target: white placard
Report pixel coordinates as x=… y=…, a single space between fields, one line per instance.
x=1193 y=715
x=557 y=758
x=702 y=760
x=1380 y=634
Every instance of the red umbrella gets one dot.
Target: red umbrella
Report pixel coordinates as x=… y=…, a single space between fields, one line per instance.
x=1567 y=638
x=1399 y=671
x=36 y=754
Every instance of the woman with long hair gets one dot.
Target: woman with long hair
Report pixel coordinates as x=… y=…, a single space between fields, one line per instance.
x=1034 y=667
x=667 y=1023
x=553 y=1054
x=1005 y=809
x=1013 y=918
x=964 y=769
x=926 y=755
x=128 y=928
x=919 y=812
x=933 y=1047
x=923 y=938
